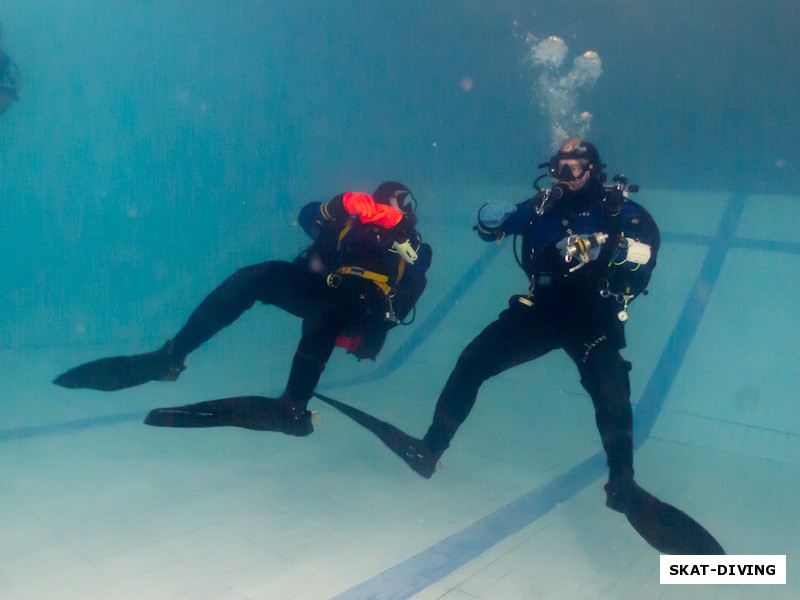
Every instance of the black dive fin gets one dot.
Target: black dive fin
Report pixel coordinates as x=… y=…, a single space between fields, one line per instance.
x=120 y=372
x=667 y=529
x=405 y=446
x=249 y=412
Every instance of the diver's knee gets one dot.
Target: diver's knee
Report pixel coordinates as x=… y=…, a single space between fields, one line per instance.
x=257 y=280
x=606 y=362
x=259 y=270
x=473 y=364
x=604 y=375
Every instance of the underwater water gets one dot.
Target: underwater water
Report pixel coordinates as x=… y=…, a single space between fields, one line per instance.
x=156 y=147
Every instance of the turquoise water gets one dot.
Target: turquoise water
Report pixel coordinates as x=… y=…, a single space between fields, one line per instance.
x=158 y=146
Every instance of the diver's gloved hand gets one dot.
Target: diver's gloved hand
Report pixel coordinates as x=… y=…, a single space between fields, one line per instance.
x=493 y=215
x=364 y=207
x=368 y=211
x=630 y=254
x=581 y=248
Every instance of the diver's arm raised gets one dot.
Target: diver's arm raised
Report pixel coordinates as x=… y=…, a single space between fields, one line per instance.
x=499 y=219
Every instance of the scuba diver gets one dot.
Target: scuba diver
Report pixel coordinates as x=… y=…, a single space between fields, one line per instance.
x=361 y=276
x=587 y=251
x=10 y=79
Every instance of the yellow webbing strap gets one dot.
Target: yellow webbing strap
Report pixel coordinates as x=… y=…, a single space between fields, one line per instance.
x=401 y=269
x=382 y=281
x=345 y=230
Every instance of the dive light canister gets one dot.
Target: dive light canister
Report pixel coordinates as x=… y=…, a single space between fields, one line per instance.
x=638 y=253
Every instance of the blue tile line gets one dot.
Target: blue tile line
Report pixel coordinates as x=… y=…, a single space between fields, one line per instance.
x=424 y=569
x=739 y=243
x=21 y=433
x=674 y=352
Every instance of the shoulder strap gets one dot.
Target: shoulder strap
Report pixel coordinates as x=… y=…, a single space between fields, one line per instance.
x=345 y=230
x=611 y=207
x=401 y=269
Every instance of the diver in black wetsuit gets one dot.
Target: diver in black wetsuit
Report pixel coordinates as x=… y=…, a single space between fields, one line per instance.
x=362 y=276
x=10 y=79
x=587 y=252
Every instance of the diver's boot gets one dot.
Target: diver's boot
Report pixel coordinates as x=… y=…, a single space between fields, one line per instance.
x=621 y=493
x=423 y=455
x=292 y=417
x=621 y=490
x=121 y=372
x=171 y=364
x=420 y=457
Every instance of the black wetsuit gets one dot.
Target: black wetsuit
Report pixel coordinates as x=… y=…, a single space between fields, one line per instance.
x=318 y=288
x=564 y=310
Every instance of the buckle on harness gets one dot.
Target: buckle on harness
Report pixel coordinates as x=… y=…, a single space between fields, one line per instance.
x=380 y=280
x=537 y=280
x=334 y=280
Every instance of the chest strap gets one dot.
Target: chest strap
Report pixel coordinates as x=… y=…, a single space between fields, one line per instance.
x=382 y=281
